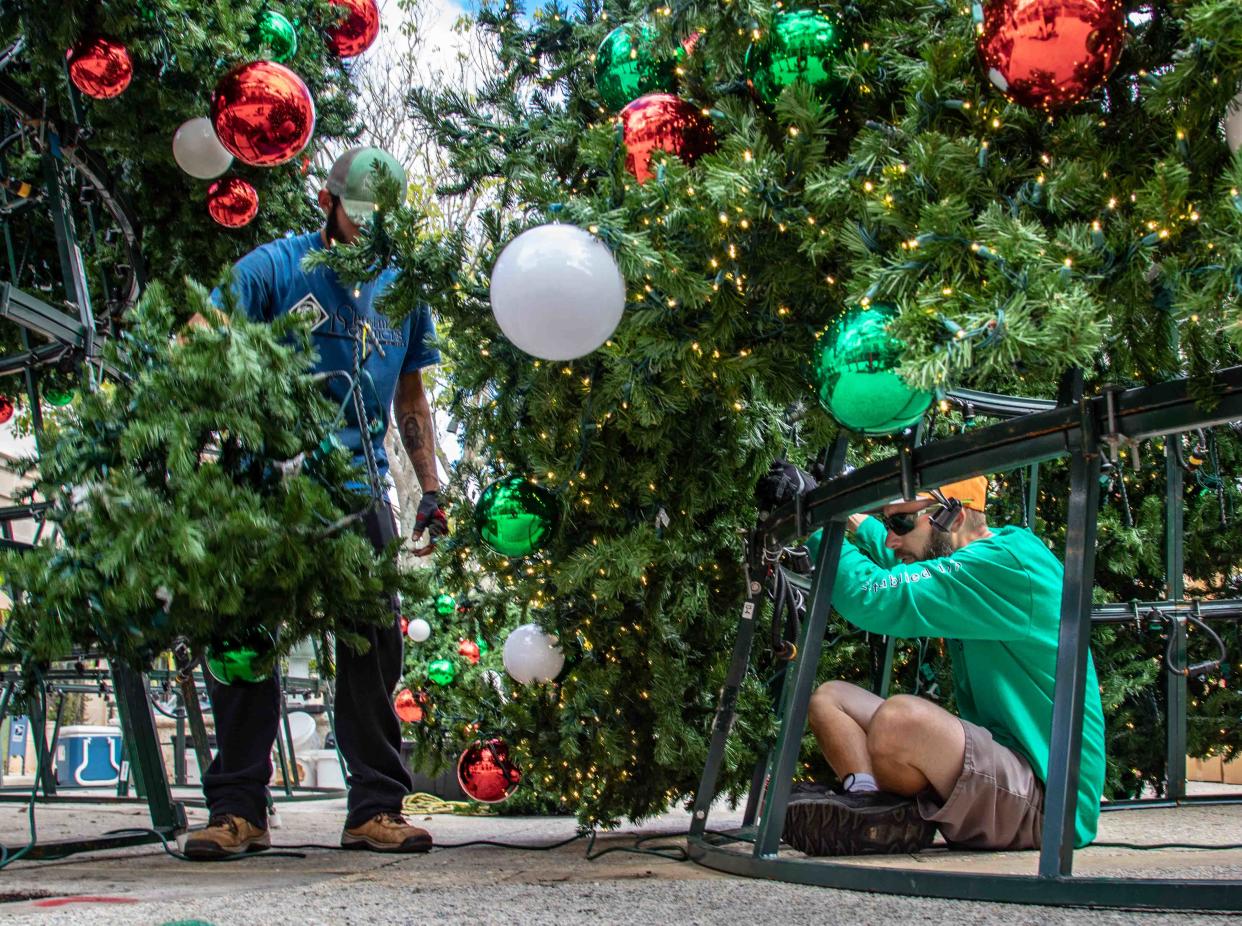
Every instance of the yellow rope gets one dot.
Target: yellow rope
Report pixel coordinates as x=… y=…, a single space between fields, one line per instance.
x=423 y=803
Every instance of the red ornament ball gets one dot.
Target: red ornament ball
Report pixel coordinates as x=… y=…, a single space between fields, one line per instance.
x=469 y=650
x=409 y=706
x=263 y=113
x=404 y=623
x=100 y=67
x=357 y=28
x=1046 y=54
x=6 y=409
x=663 y=122
x=232 y=202
x=486 y=773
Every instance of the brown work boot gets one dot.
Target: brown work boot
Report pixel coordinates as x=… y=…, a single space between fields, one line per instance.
x=227 y=834
x=386 y=832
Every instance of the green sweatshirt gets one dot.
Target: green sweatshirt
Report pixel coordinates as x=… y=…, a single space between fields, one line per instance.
x=998 y=602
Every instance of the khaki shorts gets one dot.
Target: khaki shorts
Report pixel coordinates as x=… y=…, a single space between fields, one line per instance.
x=997 y=802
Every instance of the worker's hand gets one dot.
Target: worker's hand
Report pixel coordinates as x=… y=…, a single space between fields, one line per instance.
x=855 y=520
x=431 y=520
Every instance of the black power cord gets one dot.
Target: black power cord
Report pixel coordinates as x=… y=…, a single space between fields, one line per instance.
x=1164 y=845
x=673 y=853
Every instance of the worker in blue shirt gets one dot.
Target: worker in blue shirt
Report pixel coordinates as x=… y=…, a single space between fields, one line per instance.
x=268 y=282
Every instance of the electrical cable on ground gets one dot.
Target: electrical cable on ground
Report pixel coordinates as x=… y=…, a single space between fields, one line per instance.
x=673 y=853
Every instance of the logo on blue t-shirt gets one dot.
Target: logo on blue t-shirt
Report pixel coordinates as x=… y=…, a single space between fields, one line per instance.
x=310 y=306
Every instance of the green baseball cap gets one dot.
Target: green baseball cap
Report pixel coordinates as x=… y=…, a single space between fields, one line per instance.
x=351 y=176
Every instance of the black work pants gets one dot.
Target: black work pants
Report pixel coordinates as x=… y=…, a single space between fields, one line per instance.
x=367 y=730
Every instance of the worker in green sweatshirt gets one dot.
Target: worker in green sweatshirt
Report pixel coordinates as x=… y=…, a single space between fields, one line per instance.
x=931 y=567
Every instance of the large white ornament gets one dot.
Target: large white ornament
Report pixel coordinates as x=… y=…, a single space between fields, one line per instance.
x=532 y=656
x=418 y=630
x=1233 y=124
x=556 y=292
x=198 y=152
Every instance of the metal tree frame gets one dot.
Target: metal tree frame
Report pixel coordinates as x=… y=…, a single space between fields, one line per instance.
x=73 y=335
x=1079 y=428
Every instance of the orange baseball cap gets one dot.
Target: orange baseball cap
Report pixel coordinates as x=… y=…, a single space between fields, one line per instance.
x=972 y=493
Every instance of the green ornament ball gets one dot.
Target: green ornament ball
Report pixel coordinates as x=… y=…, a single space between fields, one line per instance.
x=232 y=664
x=857 y=378
x=515 y=517
x=484 y=646
x=58 y=397
x=627 y=66
x=277 y=36
x=442 y=671
x=446 y=604
x=803 y=45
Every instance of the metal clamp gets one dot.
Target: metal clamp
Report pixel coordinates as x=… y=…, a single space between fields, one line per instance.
x=1112 y=435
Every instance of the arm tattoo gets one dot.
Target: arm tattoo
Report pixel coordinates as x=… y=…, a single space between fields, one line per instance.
x=416 y=437
x=411 y=433
x=414 y=419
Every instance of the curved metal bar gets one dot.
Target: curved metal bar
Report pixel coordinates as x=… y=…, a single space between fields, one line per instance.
x=999 y=406
x=1139 y=893
x=95 y=172
x=1136 y=414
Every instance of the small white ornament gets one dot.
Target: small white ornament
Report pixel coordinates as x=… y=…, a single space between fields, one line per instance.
x=556 y=292
x=418 y=630
x=531 y=655
x=198 y=152
x=493 y=680
x=1233 y=124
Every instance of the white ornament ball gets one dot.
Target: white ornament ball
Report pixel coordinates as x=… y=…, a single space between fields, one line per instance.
x=418 y=630
x=531 y=655
x=1233 y=124
x=556 y=292
x=198 y=152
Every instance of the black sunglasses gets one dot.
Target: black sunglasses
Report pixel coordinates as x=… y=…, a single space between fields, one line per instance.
x=902 y=522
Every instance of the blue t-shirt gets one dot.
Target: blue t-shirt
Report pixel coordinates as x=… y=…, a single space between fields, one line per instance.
x=270 y=281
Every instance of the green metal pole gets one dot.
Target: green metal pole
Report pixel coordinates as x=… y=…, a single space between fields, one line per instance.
x=797 y=694
x=1056 y=856
x=1174 y=559
x=1032 y=498
x=146 y=757
x=885 y=681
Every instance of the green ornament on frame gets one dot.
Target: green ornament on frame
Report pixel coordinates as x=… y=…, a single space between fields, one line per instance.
x=515 y=517
x=277 y=36
x=58 y=397
x=803 y=44
x=442 y=671
x=627 y=67
x=857 y=374
x=241 y=664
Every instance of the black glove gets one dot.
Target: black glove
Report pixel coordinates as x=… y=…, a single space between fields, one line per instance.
x=432 y=519
x=782 y=483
